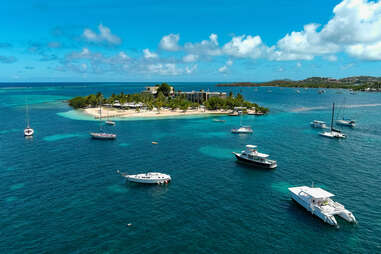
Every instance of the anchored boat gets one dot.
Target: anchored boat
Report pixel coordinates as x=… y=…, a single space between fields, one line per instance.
x=333 y=133
x=346 y=122
x=243 y=130
x=319 y=124
x=255 y=158
x=101 y=134
x=319 y=203
x=28 y=131
x=148 y=178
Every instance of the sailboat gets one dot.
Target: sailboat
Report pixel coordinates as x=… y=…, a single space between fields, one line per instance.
x=333 y=133
x=242 y=129
x=28 y=131
x=109 y=122
x=346 y=122
x=101 y=134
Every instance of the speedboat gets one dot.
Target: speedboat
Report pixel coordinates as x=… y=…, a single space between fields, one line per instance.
x=110 y=122
x=243 y=130
x=102 y=135
x=319 y=124
x=346 y=122
x=148 y=178
x=319 y=203
x=255 y=158
x=28 y=132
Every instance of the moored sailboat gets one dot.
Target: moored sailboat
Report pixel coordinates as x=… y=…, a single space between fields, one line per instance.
x=28 y=131
x=101 y=134
x=333 y=133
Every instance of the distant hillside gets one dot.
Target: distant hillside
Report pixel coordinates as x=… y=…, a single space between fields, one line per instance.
x=363 y=83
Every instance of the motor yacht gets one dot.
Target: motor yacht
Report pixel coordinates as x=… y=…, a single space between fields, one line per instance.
x=148 y=178
x=102 y=135
x=255 y=158
x=319 y=203
x=319 y=124
x=346 y=122
x=243 y=130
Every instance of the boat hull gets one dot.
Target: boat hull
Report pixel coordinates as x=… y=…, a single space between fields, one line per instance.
x=327 y=219
x=28 y=132
x=254 y=163
x=148 y=181
x=103 y=136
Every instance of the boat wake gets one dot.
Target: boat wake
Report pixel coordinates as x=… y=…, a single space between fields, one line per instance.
x=303 y=109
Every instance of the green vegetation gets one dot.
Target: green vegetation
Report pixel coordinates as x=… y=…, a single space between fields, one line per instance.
x=164 y=99
x=360 y=83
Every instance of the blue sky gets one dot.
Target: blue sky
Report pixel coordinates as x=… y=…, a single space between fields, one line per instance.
x=206 y=40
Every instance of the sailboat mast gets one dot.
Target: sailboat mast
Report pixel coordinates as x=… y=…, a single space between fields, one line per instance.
x=27 y=115
x=333 y=113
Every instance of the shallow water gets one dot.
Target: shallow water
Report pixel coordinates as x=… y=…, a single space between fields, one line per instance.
x=60 y=192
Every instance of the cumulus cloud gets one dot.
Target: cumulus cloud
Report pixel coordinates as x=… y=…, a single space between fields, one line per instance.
x=170 y=42
x=206 y=47
x=104 y=36
x=225 y=68
x=8 y=59
x=190 y=58
x=368 y=51
x=245 y=47
x=354 y=29
x=149 y=55
x=163 y=69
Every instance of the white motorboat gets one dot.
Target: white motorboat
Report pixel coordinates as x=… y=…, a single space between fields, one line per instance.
x=319 y=203
x=110 y=122
x=219 y=120
x=102 y=135
x=148 y=178
x=255 y=158
x=243 y=130
x=28 y=131
x=346 y=122
x=319 y=124
x=333 y=133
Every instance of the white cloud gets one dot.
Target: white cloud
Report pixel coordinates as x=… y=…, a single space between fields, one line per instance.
x=206 y=47
x=149 y=55
x=123 y=55
x=298 y=64
x=104 y=36
x=229 y=62
x=163 y=69
x=223 y=69
x=190 y=58
x=170 y=42
x=190 y=69
x=366 y=51
x=245 y=47
x=331 y=58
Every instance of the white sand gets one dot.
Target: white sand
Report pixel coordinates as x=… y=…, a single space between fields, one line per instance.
x=125 y=113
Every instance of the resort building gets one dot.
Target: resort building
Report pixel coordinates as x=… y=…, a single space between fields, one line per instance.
x=153 y=90
x=200 y=96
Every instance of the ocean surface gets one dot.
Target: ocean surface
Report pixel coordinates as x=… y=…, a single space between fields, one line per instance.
x=60 y=193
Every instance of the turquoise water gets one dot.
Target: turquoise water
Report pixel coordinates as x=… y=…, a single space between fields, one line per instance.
x=60 y=192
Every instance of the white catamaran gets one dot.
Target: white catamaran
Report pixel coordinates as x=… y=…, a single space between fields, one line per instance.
x=333 y=133
x=319 y=203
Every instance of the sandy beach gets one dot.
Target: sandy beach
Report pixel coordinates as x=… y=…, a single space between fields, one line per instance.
x=125 y=113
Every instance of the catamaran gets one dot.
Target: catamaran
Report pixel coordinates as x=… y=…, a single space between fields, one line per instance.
x=319 y=203
x=255 y=158
x=28 y=131
x=333 y=133
x=102 y=135
x=147 y=178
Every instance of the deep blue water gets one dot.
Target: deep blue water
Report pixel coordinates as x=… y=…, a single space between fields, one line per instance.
x=59 y=192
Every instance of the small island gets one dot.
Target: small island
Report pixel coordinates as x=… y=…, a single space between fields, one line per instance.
x=162 y=100
x=358 y=83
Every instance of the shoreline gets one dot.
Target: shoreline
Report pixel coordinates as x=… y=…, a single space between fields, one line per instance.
x=130 y=113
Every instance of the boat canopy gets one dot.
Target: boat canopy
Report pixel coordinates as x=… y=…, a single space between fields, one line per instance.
x=317 y=121
x=251 y=146
x=318 y=193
